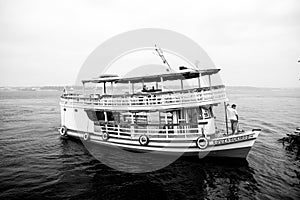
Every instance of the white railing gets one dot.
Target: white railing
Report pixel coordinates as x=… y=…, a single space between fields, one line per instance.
x=216 y=93
x=133 y=132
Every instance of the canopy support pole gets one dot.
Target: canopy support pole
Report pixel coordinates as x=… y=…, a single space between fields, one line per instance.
x=104 y=87
x=209 y=80
x=199 y=82
x=129 y=87
x=132 y=88
x=83 y=84
x=162 y=83
x=226 y=120
x=181 y=84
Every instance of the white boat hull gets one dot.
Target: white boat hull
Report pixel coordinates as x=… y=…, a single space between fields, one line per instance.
x=238 y=149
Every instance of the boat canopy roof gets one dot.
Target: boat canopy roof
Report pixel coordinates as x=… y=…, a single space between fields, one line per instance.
x=153 y=78
x=103 y=78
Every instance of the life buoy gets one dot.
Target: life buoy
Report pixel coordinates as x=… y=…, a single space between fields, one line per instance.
x=143 y=140
x=105 y=136
x=63 y=131
x=202 y=143
x=86 y=136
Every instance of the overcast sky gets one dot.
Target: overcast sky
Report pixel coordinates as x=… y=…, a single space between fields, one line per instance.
x=254 y=42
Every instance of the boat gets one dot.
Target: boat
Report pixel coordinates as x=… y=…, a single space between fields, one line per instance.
x=292 y=138
x=165 y=121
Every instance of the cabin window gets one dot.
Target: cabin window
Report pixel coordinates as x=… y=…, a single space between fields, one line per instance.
x=181 y=115
x=125 y=117
x=140 y=118
x=110 y=116
x=100 y=115
x=166 y=118
x=192 y=114
x=153 y=117
x=116 y=116
x=205 y=113
x=95 y=115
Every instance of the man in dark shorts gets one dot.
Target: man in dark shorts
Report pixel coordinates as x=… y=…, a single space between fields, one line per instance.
x=233 y=117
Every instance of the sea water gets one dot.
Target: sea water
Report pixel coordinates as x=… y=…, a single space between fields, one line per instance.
x=35 y=163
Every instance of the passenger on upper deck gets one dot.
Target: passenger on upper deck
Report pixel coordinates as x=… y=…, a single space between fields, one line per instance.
x=144 y=89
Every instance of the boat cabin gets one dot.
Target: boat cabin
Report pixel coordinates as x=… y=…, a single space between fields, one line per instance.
x=156 y=108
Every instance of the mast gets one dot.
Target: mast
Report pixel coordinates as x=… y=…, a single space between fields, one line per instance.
x=160 y=53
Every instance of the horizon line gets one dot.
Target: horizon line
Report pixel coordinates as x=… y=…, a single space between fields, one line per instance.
x=67 y=85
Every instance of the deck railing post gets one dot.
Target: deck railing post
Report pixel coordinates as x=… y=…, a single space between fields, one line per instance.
x=167 y=132
x=132 y=131
x=180 y=96
x=199 y=82
x=132 y=88
x=162 y=83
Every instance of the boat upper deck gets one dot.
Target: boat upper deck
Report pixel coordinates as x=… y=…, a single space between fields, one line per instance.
x=149 y=101
x=153 y=99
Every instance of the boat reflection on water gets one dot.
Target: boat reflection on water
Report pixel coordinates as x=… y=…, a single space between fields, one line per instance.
x=186 y=177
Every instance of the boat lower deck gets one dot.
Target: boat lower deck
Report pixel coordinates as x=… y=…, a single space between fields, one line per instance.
x=234 y=146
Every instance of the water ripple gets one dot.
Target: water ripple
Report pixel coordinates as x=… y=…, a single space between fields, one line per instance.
x=37 y=164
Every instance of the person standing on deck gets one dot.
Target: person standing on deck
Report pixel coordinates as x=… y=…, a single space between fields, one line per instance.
x=233 y=117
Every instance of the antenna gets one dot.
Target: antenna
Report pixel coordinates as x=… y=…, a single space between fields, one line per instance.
x=197 y=62
x=160 y=53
